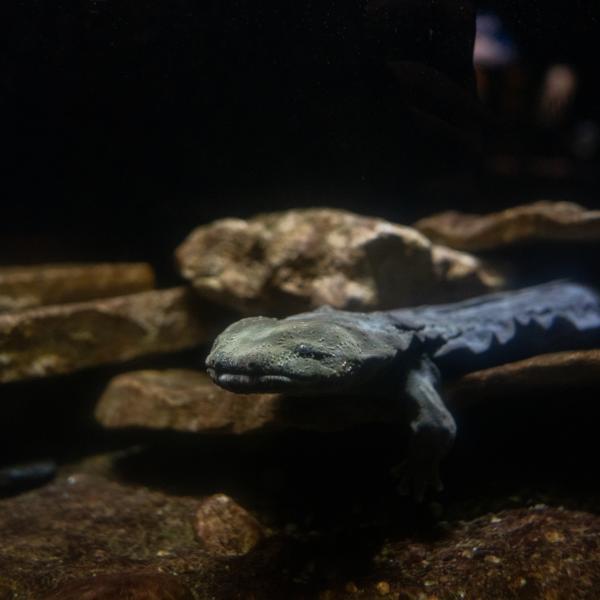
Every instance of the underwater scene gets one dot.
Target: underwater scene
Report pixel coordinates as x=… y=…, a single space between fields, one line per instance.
x=300 y=300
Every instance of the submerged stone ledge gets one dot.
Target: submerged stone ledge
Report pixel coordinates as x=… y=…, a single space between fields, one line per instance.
x=65 y=338
x=40 y=285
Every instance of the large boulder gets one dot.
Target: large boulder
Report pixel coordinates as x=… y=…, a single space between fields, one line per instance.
x=281 y=263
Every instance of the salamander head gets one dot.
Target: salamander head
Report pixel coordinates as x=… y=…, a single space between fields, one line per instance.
x=319 y=352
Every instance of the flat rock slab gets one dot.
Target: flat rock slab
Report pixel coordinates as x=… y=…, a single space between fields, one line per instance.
x=558 y=370
x=64 y=338
x=185 y=400
x=282 y=263
x=40 y=285
x=549 y=221
x=85 y=537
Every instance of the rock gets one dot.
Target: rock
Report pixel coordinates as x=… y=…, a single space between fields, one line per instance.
x=562 y=370
x=64 y=338
x=124 y=586
x=7 y=590
x=281 y=263
x=506 y=556
x=182 y=400
x=29 y=287
x=559 y=221
x=23 y=476
x=114 y=536
x=225 y=528
x=383 y=588
x=83 y=534
x=185 y=400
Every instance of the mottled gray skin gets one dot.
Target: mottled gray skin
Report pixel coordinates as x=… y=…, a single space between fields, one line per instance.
x=404 y=352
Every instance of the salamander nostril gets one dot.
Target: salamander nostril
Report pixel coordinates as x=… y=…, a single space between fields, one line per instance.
x=217 y=363
x=306 y=351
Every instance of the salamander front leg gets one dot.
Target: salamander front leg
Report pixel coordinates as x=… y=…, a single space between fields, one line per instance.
x=432 y=429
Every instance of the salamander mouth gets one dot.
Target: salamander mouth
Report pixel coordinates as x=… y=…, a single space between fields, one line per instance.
x=249 y=382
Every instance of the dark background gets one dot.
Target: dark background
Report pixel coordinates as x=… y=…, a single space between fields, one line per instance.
x=128 y=123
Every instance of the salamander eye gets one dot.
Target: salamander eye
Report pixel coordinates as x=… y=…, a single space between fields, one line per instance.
x=306 y=351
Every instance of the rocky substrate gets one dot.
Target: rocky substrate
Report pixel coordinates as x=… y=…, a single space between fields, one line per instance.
x=88 y=536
